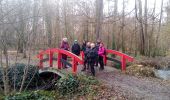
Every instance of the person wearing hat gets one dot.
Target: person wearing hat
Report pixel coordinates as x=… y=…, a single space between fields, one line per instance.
x=76 y=48
x=65 y=46
x=86 y=57
x=92 y=57
x=97 y=49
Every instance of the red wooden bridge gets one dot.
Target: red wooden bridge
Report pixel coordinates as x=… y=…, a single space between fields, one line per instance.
x=78 y=60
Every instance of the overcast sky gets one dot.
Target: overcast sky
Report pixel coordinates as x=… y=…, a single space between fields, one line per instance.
x=131 y=4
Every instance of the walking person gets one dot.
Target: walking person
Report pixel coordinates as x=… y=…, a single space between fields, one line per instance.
x=97 y=49
x=92 y=58
x=101 y=53
x=65 y=46
x=75 y=48
x=83 y=48
x=86 y=57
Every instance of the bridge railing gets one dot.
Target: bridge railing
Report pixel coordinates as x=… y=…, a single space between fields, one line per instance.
x=50 y=52
x=76 y=59
x=124 y=58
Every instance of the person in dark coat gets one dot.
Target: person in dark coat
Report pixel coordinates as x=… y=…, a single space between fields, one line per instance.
x=97 y=49
x=83 y=48
x=75 y=48
x=86 y=57
x=92 y=58
x=65 y=46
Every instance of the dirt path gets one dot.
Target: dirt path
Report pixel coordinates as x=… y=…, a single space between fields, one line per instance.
x=136 y=88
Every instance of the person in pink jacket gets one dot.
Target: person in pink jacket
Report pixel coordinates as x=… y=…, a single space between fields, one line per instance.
x=101 y=53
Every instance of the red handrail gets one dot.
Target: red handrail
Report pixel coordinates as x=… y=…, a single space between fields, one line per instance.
x=123 y=56
x=76 y=59
x=50 y=52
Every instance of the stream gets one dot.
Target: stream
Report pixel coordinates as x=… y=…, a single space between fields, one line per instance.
x=163 y=74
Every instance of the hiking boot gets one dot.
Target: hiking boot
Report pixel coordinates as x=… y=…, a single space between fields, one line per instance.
x=100 y=69
x=83 y=69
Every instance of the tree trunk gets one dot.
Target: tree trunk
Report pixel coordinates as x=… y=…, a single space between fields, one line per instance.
x=150 y=41
x=140 y=20
x=122 y=27
x=99 y=18
x=159 y=30
x=114 y=24
x=146 y=28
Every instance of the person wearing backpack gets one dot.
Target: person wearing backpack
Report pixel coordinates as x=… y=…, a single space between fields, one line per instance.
x=75 y=48
x=101 y=53
x=86 y=57
x=92 y=58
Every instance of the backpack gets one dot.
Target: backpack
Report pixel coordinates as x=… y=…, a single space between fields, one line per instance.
x=92 y=54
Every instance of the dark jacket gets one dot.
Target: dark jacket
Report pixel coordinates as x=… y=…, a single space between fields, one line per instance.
x=93 y=55
x=86 y=52
x=76 y=49
x=83 y=48
x=97 y=47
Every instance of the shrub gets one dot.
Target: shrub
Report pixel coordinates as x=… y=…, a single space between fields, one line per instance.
x=67 y=85
x=87 y=85
x=140 y=70
x=35 y=95
x=16 y=72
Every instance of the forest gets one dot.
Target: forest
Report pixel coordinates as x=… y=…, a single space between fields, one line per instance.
x=39 y=24
x=140 y=28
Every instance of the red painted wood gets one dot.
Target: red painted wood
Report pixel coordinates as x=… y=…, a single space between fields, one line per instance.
x=74 y=66
x=59 y=60
x=82 y=55
x=123 y=60
x=68 y=53
x=40 y=62
x=123 y=56
x=77 y=60
x=105 y=59
x=50 y=58
x=129 y=58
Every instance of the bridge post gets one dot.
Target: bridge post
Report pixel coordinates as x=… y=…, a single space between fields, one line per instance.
x=59 y=60
x=105 y=59
x=123 y=63
x=82 y=55
x=51 y=58
x=40 y=62
x=74 y=66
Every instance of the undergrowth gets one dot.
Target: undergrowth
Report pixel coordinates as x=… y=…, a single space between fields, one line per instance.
x=69 y=87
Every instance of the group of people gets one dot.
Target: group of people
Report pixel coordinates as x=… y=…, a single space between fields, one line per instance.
x=93 y=53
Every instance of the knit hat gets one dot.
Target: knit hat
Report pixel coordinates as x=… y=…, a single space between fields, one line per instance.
x=92 y=45
x=65 y=39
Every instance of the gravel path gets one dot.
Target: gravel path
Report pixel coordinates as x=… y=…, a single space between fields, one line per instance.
x=136 y=88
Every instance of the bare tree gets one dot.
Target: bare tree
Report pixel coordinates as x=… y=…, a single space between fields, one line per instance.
x=159 y=28
x=122 y=27
x=99 y=17
x=114 y=25
x=140 y=20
